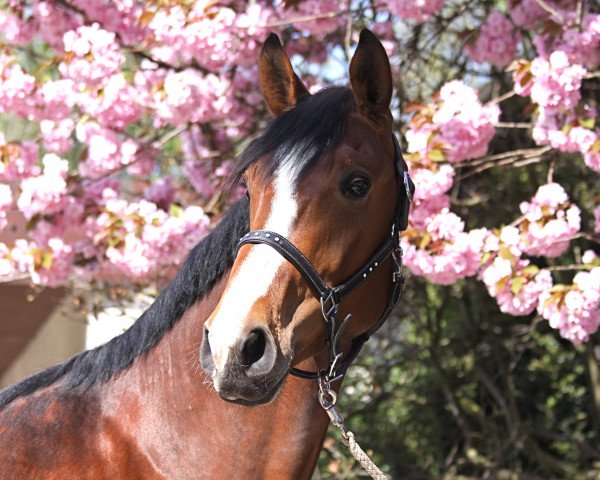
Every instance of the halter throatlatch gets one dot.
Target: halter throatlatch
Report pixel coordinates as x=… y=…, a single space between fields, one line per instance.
x=331 y=297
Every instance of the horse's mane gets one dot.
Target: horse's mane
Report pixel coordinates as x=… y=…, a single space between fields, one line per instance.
x=304 y=134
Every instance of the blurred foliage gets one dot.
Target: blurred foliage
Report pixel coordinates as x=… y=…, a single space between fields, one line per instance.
x=454 y=389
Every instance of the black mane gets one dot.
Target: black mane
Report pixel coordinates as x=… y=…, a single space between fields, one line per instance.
x=304 y=134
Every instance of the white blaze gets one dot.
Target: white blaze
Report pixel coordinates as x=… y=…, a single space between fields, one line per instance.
x=256 y=274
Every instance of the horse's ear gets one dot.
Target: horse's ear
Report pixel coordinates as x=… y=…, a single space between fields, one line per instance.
x=371 y=76
x=281 y=87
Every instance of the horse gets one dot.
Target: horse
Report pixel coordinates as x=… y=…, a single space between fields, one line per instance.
x=215 y=379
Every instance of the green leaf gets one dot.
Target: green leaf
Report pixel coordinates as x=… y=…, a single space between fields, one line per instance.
x=436 y=155
x=47 y=260
x=175 y=210
x=587 y=123
x=517 y=285
x=531 y=270
x=425 y=240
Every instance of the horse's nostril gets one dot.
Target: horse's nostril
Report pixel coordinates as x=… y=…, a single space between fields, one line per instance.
x=253 y=348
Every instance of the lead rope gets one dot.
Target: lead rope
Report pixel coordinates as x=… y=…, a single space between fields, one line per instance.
x=327 y=398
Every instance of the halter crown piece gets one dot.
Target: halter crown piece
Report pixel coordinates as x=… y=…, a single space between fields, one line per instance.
x=331 y=297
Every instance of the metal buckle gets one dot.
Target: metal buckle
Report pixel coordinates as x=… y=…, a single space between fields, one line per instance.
x=330 y=310
x=397 y=258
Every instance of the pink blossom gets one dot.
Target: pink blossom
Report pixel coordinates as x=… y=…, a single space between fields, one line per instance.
x=515 y=284
x=564 y=130
x=550 y=222
x=212 y=35
x=119 y=16
x=161 y=193
x=424 y=208
x=115 y=106
x=417 y=10
x=55 y=99
x=61 y=20
x=49 y=263
x=16 y=88
x=190 y=96
x=574 y=310
x=14 y=29
x=19 y=159
x=138 y=240
x=45 y=193
x=580 y=42
x=443 y=253
x=588 y=257
x=56 y=135
x=433 y=181
x=108 y=151
x=496 y=41
x=464 y=124
x=91 y=55
x=591 y=157
x=527 y=14
x=556 y=82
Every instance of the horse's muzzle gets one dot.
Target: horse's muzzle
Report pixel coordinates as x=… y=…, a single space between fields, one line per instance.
x=254 y=372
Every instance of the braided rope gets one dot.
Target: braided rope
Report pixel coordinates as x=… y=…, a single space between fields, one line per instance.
x=328 y=397
x=362 y=458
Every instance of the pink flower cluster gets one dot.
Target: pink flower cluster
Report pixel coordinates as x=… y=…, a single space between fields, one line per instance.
x=456 y=127
x=511 y=280
x=527 y=14
x=556 y=82
x=580 y=42
x=16 y=87
x=91 y=56
x=554 y=79
x=496 y=41
x=417 y=10
x=108 y=151
x=45 y=193
x=189 y=96
x=464 y=124
x=138 y=240
x=549 y=222
x=515 y=284
x=443 y=252
x=49 y=263
x=19 y=160
x=574 y=310
x=209 y=33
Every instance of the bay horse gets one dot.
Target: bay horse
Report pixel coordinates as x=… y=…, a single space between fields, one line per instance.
x=327 y=194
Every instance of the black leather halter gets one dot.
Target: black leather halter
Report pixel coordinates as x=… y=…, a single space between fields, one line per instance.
x=331 y=297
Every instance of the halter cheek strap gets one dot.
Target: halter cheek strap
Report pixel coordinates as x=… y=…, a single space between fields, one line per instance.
x=330 y=297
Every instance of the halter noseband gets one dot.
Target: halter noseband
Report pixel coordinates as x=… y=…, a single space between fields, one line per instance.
x=331 y=297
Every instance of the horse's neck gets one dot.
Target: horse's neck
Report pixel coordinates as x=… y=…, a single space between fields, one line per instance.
x=167 y=408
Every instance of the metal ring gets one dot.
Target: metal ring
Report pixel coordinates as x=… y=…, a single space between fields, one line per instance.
x=327 y=403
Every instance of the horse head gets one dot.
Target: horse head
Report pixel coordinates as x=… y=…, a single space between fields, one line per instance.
x=324 y=188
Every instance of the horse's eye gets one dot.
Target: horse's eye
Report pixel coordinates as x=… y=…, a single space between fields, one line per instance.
x=356 y=186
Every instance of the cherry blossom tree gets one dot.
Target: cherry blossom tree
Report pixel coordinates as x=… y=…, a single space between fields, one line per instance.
x=134 y=113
